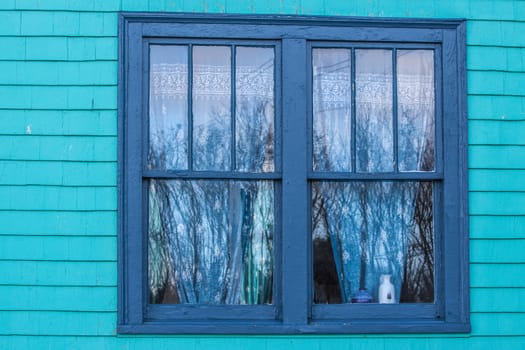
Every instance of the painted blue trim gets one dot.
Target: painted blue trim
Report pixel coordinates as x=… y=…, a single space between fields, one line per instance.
x=202 y=313
x=294 y=196
x=394 y=111
x=233 y=109
x=353 y=117
x=293 y=311
x=130 y=216
x=175 y=174
x=438 y=96
x=190 y=107
x=412 y=175
x=257 y=327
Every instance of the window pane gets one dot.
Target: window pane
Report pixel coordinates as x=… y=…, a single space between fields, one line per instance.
x=210 y=242
x=211 y=107
x=168 y=107
x=254 y=89
x=332 y=109
x=374 y=121
x=363 y=230
x=415 y=109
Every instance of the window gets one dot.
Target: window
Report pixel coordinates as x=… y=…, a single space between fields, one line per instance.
x=292 y=175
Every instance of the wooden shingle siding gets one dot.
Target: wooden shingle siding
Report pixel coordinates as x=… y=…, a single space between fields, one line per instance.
x=58 y=173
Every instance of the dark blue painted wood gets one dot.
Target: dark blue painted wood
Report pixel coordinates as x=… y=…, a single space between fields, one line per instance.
x=353 y=117
x=394 y=110
x=131 y=188
x=210 y=175
x=455 y=193
x=361 y=311
x=293 y=311
x=211 y=312
x=438 y=95
x=278 y=189
x=233 y=118
x=415 y=175
x=273 y=327
x=190 y=107
x=351 y=44
x=309 y=163
x=463 y=224
x=294 y=195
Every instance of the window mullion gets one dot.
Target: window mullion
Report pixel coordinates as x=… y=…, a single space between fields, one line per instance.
x=233 y=111
x=190 y=107
x=294 y=188
x=353 y=116
x=394 y=111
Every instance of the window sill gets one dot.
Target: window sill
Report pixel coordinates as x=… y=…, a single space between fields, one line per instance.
x=357 y=327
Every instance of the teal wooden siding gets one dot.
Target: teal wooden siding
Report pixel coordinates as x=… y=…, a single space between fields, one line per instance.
x=58 y=98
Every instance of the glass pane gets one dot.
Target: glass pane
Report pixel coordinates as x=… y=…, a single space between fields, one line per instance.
x=211 y=107
x=415 y=109
x=332 y=109
x=210 y=242
x=168 y=107
x=374 y=120
x=363 y=231
x=254 y=91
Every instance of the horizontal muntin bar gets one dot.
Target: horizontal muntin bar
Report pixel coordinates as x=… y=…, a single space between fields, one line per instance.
x=414 y=175
x=198 y=175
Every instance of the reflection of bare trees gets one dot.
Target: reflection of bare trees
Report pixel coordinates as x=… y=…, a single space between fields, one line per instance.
x=168 y=149
x=159 y=254
x=326 y=281
x=418 y=273
x=365 y=229
x=211 y=142
x=362 y=229
x=211 y=241
x=254 y=135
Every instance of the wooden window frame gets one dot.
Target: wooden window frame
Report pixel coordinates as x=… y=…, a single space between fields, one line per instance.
x=293 y=311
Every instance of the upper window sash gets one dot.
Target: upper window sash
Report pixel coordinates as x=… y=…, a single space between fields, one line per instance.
x=235 y=168
x=396 y=172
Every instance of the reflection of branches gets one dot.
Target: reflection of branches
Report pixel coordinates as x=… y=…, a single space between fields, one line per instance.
x=254 y=135
x=378 y=226
x=369 y=224
x=418 y=274
x=327 y=284
x=168 y=149
x=363 y=234
x=161 y=261
x=215 y=238
x=211 y=142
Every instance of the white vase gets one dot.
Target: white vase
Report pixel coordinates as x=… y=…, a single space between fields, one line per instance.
x=386 y=290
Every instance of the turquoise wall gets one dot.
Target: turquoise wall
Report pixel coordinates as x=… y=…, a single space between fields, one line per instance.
x=58 y=152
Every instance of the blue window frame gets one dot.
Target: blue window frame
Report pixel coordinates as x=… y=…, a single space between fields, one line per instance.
x=361 y=151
